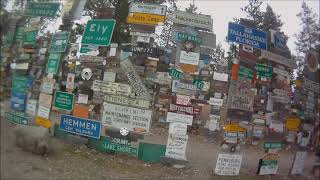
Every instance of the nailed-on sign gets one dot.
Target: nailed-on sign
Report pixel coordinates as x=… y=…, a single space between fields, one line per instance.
x=63 y=100
x=111 y=88
x=277 y=58
x=228 y=164
x=148 y=8
x=98 y=32
x=134 y=119
x=123 y=100
x=176 y=146
x=196 y=20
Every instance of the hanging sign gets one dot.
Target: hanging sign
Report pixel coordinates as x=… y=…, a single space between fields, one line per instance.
x=63 y=100
x=176 y=146
x=17 y=118
x=182 y=118
x=41 y=9
x=123 y=100
x=312 y=60
x=228 y=164
x=298 y=163
x=195 y=20
x=177 y=128
x=145 y=19
x=134 y=119
x=98 y=32
x=53 y=63
x=247 y=36
x=59 y=41
x=84 y=127
x=147 y=8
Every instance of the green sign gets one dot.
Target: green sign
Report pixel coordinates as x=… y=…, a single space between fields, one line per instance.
x=263 y=70
x=245 y=72
x=19 y=83
x=98 y=32
x=19 y=33
x=119 y=148
x=198 y=82
x=272 y=145
x=59 y=42
x=186 y=37
x=269 y=162
x=53 y=63
x=41 y=9
x=16 y=118
x=88 y=48
x=175 y=73
x=63 y=100
x=29 y=38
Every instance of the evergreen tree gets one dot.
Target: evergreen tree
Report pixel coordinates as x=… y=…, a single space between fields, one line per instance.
x=254 y=12
x=271 y=20
x=192 y=9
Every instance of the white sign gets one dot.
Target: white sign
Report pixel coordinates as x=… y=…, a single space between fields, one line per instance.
x=47 y=85
x=109 y=76
x=213 y=122
x=70 y=81
x=137 y=120
x=182 y=118
x=43 y=112
x=276 y=126
x=83 y=99
x=196 y=20
x=143 y=39
x=280 y=72
x=178 y=128
x=277 y=58
x=220 y=76
x=271 y=168
x=176 y=146
x=216 y=101
x=45 y=100
x=189 y=58
x=127 y=101
x=31 y=107
x=148 y=8
x=298 y=163
x=228 y=164
x=111 y=88
x=183 y=100
x=133 y=33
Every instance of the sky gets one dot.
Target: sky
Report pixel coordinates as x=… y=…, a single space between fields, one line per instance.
x=223 y=12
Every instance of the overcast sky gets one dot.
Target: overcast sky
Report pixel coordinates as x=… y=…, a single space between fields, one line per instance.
x=223 y=11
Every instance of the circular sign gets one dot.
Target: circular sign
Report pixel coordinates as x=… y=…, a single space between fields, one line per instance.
x=86 y=73
x=312 y=61
x=124 y=131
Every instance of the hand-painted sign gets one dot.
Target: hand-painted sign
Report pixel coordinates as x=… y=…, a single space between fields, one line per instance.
x=99 y=32
x=122 y=100
x=84 y=127
x=111 y=88
x=247 y=36
x=147 y=8
x=17 y=118
x=182 y=118
x=176 y=146
x=118 y=147
x=228 y=164
x=53 y=63
x=145 y=19
x=195 y=20
x=63 y=100
x=41 y=9
x=134 y=119
x=59 y=41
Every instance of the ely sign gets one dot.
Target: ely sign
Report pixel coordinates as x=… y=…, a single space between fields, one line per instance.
x=99 y=32
x=247 y=36
x=41 y=9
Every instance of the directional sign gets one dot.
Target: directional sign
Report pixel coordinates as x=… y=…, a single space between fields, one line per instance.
x=41 y=9
x=148 y=8
x=98 y=32
x=59 y=42
x=16 y=118
x=248 y=36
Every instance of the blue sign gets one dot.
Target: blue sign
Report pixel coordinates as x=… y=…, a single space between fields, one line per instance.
x=85 y=127
x=279 y=41
x=18 y=100
x=248 y=36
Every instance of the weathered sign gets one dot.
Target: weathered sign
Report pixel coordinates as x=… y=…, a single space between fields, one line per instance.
x=18 y=100
x=63 y=100
x=43 y=112
x=134 y=119
x=84 y=127
x=98 y=32
x=41 y=9
x=19 y=83
x=43 y=122
x=53 y=63
x=269 y=164
x=246 y=73
x=178 y=128
x=111 y=88
x=298 y=163
x=31 y=107
x=264 y=70
x=181 y=109
x=183 y=100
x=47 y=85
x=182 y=118
x=312 y=60
x=122 y=100
x=311 y=85
x=59 y=41
x=145 y=19
x=277 y=58
x=216 y=101
x=228 y=164
x=189 y=58
x=147 y=8
x=117 y=146
x=176 y=146
x=220 y=76
x=242 y=102
x=45 y=100
x=17 y=118
x=195 y=20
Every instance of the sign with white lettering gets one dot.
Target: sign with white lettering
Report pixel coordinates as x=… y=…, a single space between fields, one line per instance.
x=111 y=88
x=122 y=100
x=176 y=146
x=181 y=109
x=134 y=119
x=228 y=164
x=269 y=164
x=183 y=100
x=182 y=118
x=280 y=72
x=84 y=127
x=63 y=100
x=241 y=102
x=298 y=163
x=59 y=42
x=178 y=128
x=195 y=20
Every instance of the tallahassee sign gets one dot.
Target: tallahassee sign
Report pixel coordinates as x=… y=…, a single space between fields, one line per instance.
x=247 y=36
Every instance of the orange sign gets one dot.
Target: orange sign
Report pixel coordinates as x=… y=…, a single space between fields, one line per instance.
x=189 y=68
x=234 y=128
x=43 y=122
x=81 y=111
x=293 y=123
x=145 y=19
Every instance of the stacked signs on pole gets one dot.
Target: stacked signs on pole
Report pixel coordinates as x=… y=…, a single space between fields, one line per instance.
x=146 y=14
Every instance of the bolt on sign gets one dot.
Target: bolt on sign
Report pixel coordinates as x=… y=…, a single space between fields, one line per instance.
x=29 y=37
x=53 y=63
x=134 y=119
x=247 y=36
x=198 y=82
x=181 y=109
x=99 y=32
x=181 y=37
x=63 y=100
x=119 y=146
x=272 y=145
x=59 y=41
x=228 y=164
x=145 y=19
x=41 y=9
x=195 y=20
x=17 y=118
x=84 y=127
x=176 y=146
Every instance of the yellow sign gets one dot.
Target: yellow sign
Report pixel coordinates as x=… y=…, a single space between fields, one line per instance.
x=298 y=83
x=145 y=19
x=234 y=128
x=293 y=123
x=43 y=122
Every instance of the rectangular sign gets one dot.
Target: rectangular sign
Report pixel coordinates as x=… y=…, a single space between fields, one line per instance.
x=109 y=76
x=41 y=9
x=189 y=58
x=280 y=72
x=59 y=42
x=53 y=63
x=43 y=112
x=147 y=8
x=242 y=102
x=98 y=32
x=123 y=100
x=268 y=167
x=119 y=148
x=84 y=127
x=177 y=128
x=31 y=107
x=70 y=81
x=182 y=118
x=19 y=83
x=45 y=100
x=176 y=146
x=183 y=100
x=311 y=85
x=47 y=85
x=247 y=36
x=145 y=19
x=181 y=109
x=111 y=88
x=263 y=70
x=228 y=164
x=220 y=76
x=277 y=58
x=43 y=122
x=195 y=20
x=16 y=118
x=63 y=100
x=298 y=163
x=134 y=119
x=18 y=100
x=216 y=101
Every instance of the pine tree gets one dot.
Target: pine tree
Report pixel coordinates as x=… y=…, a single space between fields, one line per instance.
x=254 y=12
x=192 y=9
x=271 y=20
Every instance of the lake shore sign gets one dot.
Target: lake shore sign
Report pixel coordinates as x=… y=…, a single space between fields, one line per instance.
x=247 y=36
